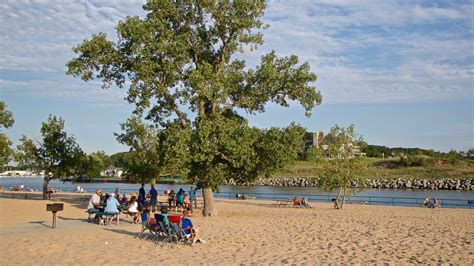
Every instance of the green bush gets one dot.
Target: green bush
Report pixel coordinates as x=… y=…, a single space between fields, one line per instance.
x=412 y=160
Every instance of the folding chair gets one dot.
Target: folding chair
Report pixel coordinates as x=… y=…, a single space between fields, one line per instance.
x=169 y=230
x=175 y=226
x=145 y=227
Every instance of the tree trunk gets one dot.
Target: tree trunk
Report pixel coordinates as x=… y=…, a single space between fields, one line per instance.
x=45 y=188
x=344 y=197
x=209 y=208
x=336 y=202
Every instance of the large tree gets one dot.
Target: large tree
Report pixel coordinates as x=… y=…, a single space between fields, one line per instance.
x=6 y=121
x=181 y=63
x=57 y=153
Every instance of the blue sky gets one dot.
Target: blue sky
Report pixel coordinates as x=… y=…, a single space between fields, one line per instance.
x=401 y=71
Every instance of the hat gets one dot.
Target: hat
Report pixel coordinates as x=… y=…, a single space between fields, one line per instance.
x=112 y=194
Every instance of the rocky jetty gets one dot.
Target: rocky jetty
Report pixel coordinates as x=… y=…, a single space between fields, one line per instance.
x=432 y=184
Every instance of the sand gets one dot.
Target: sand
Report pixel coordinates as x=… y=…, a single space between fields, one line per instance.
x=245 y=232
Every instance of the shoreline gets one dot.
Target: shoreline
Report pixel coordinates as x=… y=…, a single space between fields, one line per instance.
x=402 y=184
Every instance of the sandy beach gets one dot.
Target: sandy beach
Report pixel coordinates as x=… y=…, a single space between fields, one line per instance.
x=245 y=232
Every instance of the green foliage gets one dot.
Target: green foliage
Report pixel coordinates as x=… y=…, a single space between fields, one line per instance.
x=6 y=152
x=453 y=157
x=90 y=165
x=342 y=167
x=313 y=154
x=6 y=121
x=57 y=153
x=103 y=157
x=413 y=160
x=154 y=152
x=379 y=151
x=6 y=117
x=243 y=153
x=120 y=159
x=182 y=59
x=26 y=153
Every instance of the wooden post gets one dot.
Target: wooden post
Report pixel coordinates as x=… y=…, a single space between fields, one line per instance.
x=54 y=219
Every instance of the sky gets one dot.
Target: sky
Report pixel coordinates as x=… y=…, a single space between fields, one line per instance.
x=401 y=71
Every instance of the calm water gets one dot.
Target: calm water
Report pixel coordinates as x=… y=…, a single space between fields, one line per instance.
x=36 y=183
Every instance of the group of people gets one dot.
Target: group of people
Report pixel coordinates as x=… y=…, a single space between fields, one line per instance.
x=300 y=202
x=112 y=205
x=178 y=201
x=145 y=207
x=108 y=204
x=430 y=203
x=158 y=221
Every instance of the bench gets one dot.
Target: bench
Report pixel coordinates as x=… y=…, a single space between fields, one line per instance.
x=104 y=217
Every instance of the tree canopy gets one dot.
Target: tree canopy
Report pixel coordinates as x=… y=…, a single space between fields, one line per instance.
x=6 y=121
x=182 y=68
x=342 y=167
x=57 y=153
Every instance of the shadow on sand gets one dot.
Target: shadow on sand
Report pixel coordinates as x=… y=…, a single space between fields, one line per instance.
x=123 y=232
x=73 y=219
x=41 y=223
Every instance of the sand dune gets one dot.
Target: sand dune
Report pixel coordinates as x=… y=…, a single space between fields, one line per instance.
x=245 y=232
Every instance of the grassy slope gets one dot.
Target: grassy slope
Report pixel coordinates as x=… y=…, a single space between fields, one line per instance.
x=389 y=168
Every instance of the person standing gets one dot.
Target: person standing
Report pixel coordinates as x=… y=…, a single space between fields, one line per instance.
x=141 y=195
x=192 y=198
x=180 y=199
x=153 y=195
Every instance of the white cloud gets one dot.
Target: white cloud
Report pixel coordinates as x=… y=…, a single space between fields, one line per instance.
x=362 y=51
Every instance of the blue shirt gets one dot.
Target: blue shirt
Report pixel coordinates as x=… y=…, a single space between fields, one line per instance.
x=112 y=205
x=141 y=195
x=192 y=194
x=153 y=194
x=186 y=224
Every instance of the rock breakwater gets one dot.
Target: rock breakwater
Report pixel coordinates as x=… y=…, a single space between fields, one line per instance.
x=432 y=184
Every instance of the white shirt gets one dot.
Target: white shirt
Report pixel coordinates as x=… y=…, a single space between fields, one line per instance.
x=133 y=207
x=95 y=199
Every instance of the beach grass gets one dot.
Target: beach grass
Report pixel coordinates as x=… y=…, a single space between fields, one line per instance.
x=390 y=168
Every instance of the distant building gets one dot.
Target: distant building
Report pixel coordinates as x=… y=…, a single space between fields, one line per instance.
x=112 y=172
x=317 y=141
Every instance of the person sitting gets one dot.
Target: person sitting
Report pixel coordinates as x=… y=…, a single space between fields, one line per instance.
x=162 y=219
x=425 y=202
x=94 y=201
x=296 y=201
x=304 y=203
x=132 y=209
x=112 y=208
x=124 y=200
x=190 y=231
x=433 y=203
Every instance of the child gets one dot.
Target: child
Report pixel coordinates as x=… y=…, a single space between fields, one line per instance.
x=191 y=231
x=187 y=202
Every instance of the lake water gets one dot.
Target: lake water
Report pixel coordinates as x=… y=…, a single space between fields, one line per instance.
x=229 y=191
